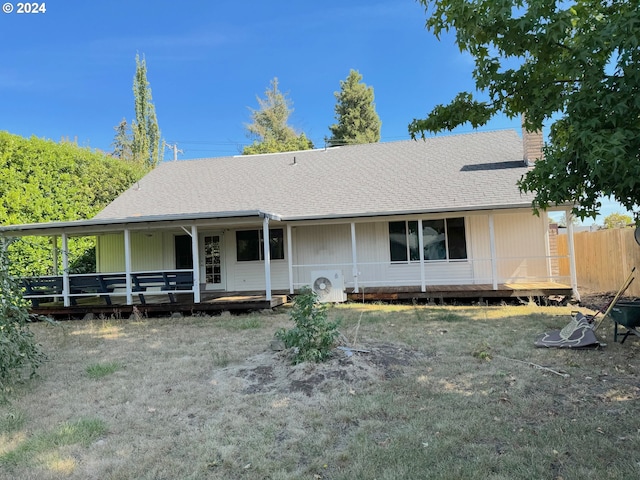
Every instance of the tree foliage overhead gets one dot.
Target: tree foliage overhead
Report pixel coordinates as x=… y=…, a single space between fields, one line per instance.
x=358 y=121
x=146 y=145
x=573 y=65
x=43 y=181
x=269 y=127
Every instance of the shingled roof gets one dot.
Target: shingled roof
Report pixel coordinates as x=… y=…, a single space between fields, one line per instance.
x=443 y=174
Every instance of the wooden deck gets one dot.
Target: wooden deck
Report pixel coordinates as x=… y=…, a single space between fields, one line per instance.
x=480 y=291
x=212 y=302
x=160 y=305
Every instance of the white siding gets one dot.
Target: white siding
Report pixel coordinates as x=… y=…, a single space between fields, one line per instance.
x=372 y=245
x=249 y=276
x=321 y=247
x=479 y=244
x=521 y=235
x=329 y=247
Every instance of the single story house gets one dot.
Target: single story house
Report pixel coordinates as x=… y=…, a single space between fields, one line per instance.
x=406 y=216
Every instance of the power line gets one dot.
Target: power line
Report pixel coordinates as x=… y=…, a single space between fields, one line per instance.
x=174 y=147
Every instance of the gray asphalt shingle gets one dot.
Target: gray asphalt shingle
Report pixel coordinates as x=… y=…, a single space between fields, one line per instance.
x=447 y=173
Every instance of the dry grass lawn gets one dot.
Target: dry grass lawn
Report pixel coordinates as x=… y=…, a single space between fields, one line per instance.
x=443 y=393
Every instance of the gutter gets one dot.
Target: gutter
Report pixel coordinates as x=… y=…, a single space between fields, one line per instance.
x=112 y=223
x=473 y=208
x=36 y=228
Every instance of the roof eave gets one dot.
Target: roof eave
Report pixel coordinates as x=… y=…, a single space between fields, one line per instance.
x=114 y=224
x=97 y=225
x=295 y=218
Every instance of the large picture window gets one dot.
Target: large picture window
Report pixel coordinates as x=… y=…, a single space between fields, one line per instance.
x=249 y=245
x=443 y=239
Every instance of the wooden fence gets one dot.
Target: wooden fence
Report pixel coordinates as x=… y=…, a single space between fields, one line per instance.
x=604 y=259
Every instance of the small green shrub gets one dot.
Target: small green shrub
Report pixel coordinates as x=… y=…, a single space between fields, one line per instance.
x=313 y=336
x=18 y=349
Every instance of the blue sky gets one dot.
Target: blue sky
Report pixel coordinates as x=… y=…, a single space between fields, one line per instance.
x=69 y=72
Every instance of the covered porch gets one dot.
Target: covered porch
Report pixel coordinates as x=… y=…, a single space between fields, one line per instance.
x=221 y=261
x=137 y=273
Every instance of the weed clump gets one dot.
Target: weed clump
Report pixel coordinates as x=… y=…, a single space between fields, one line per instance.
x=483 y=352
x=313 y=336
x=99 y=370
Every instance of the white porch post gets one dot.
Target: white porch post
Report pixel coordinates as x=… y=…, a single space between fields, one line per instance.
x=423 y=282
x=65 y=270
x=547 y=246
x=572 y=257
x=127 y=265
x=195 y=253
x=267 y=257
x=354 y=259
x=54 y=241
x=494 y=260
x=290 y=257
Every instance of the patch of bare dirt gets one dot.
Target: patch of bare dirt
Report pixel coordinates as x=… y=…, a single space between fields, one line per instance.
x=599 y=301
x=272 y=372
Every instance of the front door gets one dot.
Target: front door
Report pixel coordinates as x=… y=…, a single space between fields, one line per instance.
x=211 y=261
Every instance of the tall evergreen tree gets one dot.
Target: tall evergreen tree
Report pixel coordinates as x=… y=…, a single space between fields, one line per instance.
x=269 y=129
x=358 y=121
x=146 y=144
x=122 y=142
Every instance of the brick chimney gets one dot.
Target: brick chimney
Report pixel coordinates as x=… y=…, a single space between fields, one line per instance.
x=532 y=143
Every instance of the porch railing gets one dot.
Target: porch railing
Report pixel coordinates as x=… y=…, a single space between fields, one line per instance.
x=483 y=271
x=107 y=285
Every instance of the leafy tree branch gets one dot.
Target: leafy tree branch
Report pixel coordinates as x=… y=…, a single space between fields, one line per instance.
x=571 y=65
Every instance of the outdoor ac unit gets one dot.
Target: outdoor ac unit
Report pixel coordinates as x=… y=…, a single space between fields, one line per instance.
x=328 y=285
